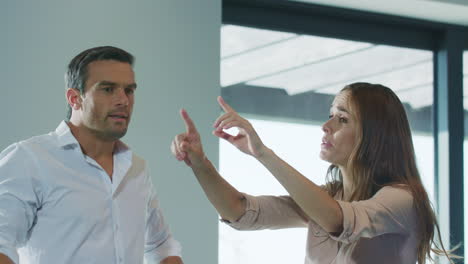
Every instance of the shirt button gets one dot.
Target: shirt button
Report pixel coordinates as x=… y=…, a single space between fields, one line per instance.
x=116 y=227
x=120 y=259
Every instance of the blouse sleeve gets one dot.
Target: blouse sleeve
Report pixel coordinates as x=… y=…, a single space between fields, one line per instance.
x=390 y=210
x=270 y=212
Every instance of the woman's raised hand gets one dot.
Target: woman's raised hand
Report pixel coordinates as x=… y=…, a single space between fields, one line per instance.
x=246 y=140
x=187 y=146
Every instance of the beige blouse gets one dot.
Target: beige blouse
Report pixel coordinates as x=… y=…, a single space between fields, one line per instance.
x=380 y=230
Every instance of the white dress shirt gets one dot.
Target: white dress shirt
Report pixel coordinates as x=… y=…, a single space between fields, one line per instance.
x=58 y=205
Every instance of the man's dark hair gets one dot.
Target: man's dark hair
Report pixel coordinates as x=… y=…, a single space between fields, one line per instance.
x=77 y=72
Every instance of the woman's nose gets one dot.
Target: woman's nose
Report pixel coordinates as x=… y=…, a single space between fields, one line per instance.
x=325 y=127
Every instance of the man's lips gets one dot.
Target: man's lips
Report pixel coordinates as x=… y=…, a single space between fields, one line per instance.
x=119 y=116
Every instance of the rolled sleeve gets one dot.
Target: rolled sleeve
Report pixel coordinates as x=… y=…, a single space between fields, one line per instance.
x=389 y=211
x=14 y=222
x=170 y=247
x=159 y=241
x=18 y=200
x=269 y=212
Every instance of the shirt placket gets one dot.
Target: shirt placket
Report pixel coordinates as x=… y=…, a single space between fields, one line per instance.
x=119 y=253
x=115 y=211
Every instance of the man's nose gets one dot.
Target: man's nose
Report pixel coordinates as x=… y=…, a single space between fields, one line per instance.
x=122 y=97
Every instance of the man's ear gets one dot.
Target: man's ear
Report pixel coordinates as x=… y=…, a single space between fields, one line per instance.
x=73 y=98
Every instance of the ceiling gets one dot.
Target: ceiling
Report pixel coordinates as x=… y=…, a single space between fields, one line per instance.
x=303 y=63
x=447 y=11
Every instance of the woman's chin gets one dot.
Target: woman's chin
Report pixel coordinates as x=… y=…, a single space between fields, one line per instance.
x=325 y=157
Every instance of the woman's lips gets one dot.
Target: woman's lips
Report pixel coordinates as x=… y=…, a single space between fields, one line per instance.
x=326 y=144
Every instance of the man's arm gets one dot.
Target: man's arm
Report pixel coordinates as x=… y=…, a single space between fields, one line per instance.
x=168 y=260
x=18 y=200
x=160 y=246
x=6 y=260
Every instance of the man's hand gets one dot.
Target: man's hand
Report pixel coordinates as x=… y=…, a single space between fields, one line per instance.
x=6 y=260
x=172 y=260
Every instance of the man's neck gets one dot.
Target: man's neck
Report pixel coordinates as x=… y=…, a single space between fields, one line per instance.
x=91 y=144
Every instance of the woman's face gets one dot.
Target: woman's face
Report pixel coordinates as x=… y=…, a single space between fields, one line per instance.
x=339 y=132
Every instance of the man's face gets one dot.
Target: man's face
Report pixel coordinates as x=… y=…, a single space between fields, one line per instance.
x=108 y=99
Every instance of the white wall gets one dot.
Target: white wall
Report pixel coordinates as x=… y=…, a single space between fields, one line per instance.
x=176 y=45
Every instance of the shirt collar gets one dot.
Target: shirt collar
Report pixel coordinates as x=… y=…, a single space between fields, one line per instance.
x=123 y=150
x=66 y=138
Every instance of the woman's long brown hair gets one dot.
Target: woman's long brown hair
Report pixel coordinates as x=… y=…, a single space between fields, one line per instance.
x=384 y=156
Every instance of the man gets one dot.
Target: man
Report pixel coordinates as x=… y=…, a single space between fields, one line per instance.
x=79 y=194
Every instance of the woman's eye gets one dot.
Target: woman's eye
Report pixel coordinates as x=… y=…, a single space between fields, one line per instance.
x=107 y=89
x=340 y=119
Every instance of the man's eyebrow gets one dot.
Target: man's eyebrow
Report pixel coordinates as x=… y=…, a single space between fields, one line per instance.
x=109 y=83
x=132 y=86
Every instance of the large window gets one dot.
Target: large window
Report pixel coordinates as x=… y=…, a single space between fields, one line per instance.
x=300 y=148
x=284 y=83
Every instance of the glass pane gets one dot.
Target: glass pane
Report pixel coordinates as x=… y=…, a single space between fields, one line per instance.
x=252 y=178
x=316 y=67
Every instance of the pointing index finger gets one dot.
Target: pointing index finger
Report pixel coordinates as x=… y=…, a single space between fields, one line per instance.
x=189 y=125
x=227 y=108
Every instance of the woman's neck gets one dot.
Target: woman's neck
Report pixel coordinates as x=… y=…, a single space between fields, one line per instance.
x=347 y=183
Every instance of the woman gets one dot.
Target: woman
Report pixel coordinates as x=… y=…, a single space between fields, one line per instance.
x=373 y=207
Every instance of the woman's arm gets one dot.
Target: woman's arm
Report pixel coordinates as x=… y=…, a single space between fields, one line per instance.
x=172 y=260
x=314 y=201
x=5 y=260
x=227 y=200
x=187 y=146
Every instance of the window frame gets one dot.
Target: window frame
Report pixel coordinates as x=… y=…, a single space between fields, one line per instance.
x=447 y=41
